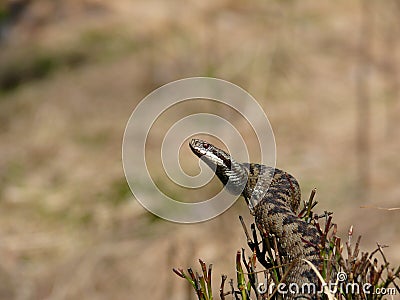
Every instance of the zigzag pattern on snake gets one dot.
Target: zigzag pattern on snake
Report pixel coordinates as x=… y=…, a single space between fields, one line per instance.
x=275 y=210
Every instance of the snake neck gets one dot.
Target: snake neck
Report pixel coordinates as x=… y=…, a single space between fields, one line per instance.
x=248 y=180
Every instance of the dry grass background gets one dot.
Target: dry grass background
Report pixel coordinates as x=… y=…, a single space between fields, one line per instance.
x=71 y=74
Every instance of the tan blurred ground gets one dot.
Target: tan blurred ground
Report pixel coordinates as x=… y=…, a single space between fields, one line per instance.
x=71 y=74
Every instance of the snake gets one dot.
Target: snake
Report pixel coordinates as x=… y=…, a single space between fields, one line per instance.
x=274 y=197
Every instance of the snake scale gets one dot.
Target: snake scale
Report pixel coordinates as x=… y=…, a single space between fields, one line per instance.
x=275 y=210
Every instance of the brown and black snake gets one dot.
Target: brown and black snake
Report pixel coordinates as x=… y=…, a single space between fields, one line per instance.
x=275 y=210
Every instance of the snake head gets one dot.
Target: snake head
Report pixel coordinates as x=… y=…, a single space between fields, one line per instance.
x=211 y=155
x=232 y=174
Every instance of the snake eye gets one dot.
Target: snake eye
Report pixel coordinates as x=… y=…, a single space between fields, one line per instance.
x=205 y=145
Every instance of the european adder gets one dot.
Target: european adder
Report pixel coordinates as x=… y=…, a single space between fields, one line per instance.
x=274 y=198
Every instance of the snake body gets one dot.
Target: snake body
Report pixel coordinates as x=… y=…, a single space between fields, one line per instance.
x=277 y=199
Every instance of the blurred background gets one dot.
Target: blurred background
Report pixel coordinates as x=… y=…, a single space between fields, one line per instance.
x=71 y=73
